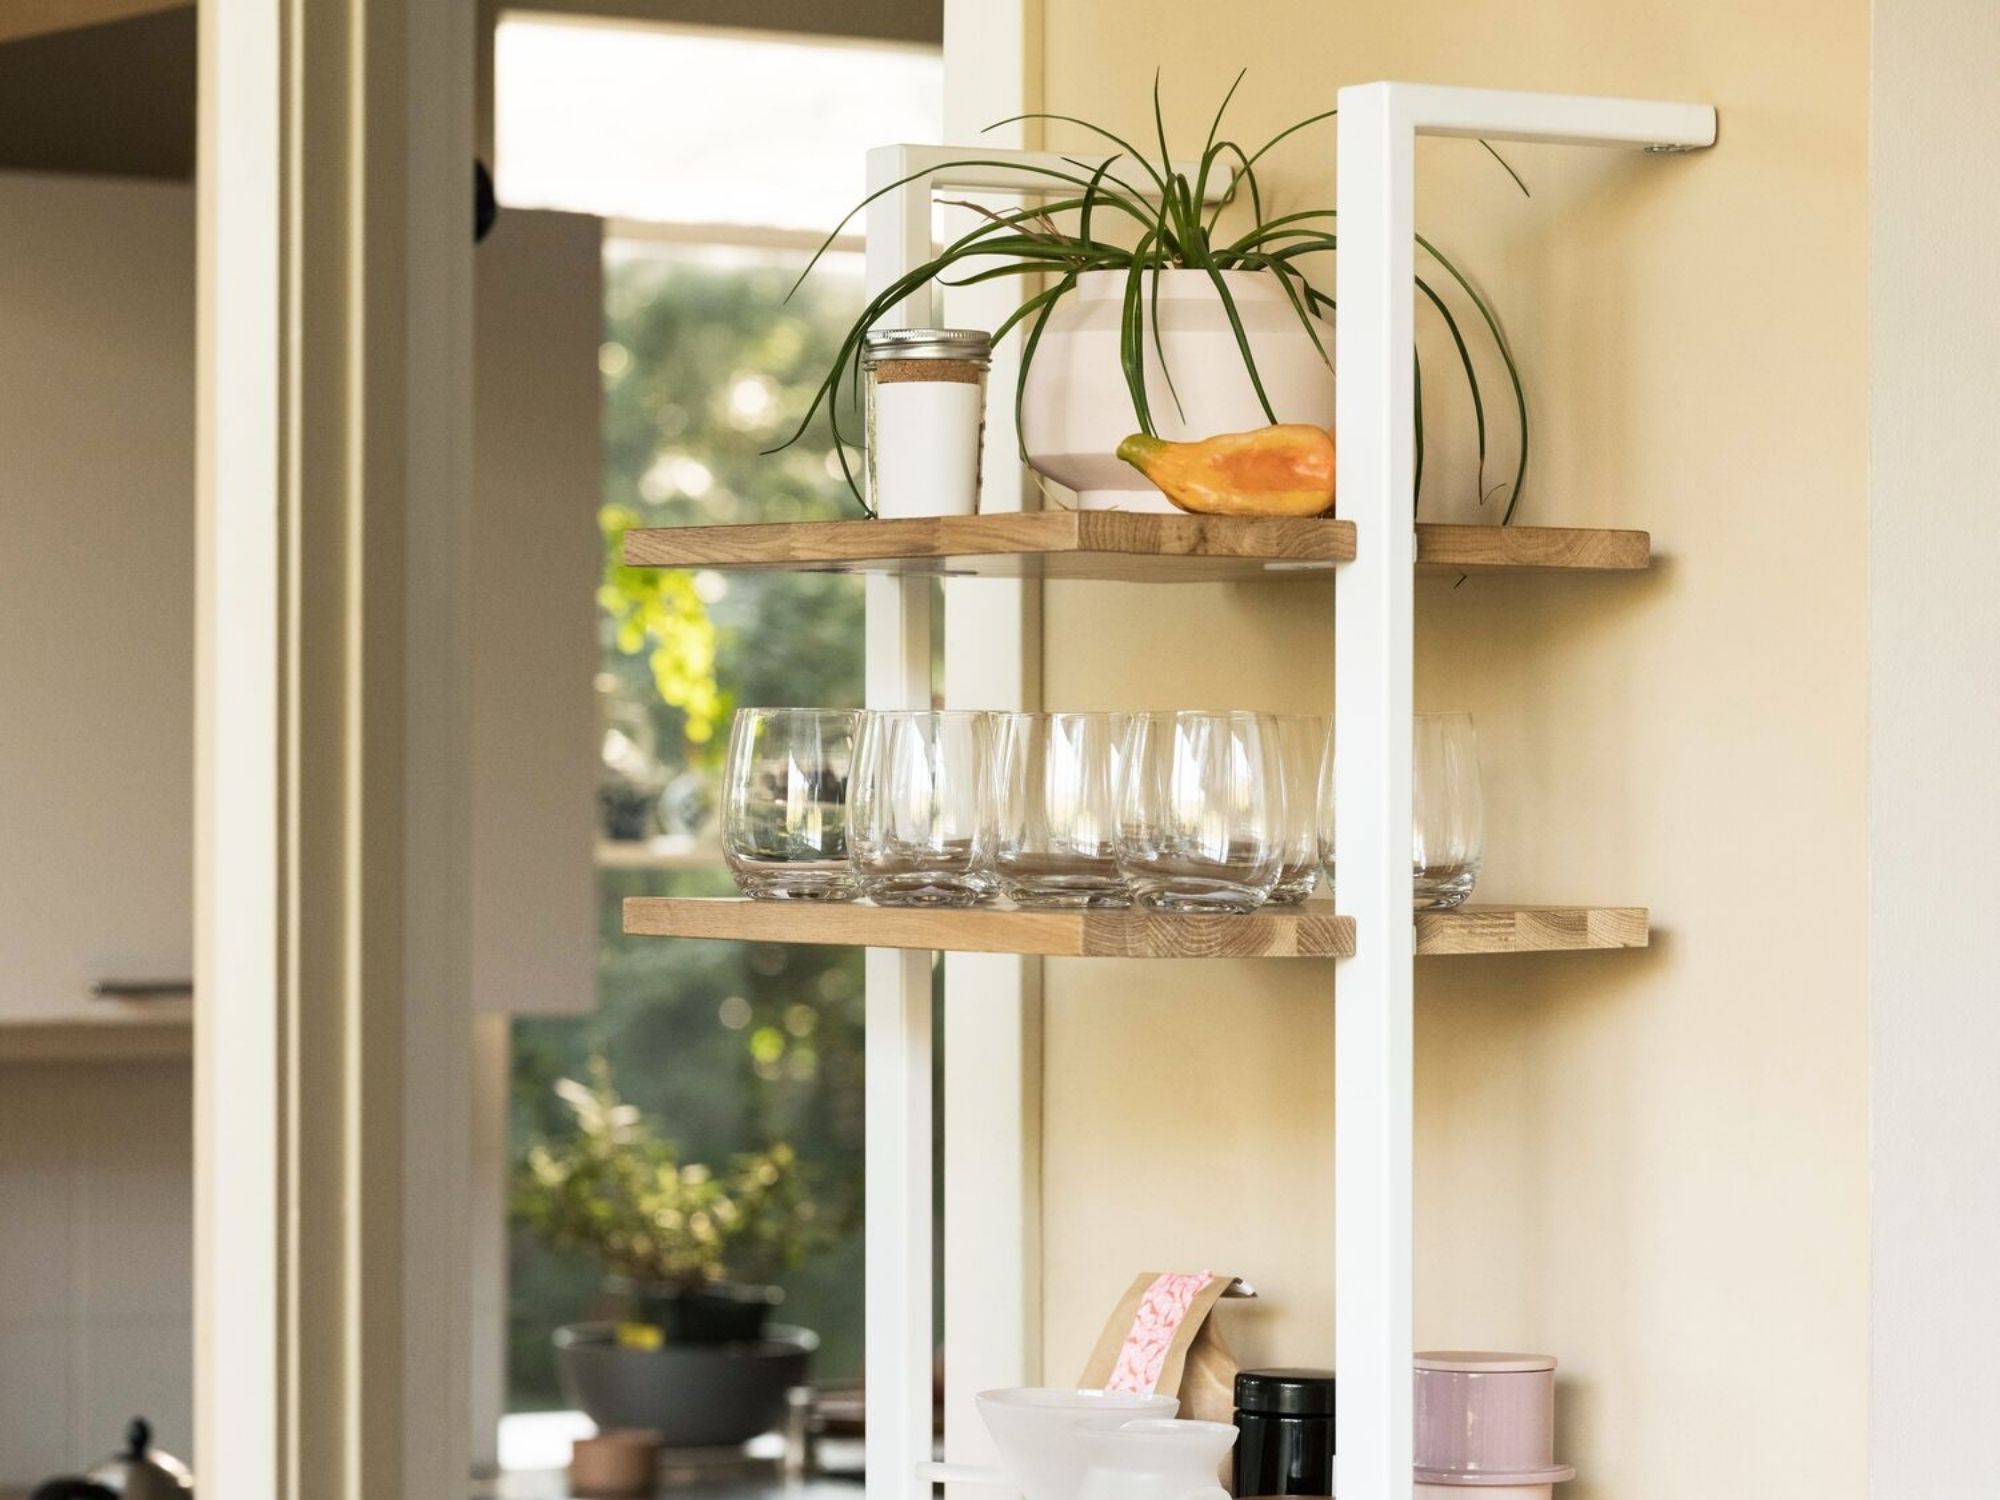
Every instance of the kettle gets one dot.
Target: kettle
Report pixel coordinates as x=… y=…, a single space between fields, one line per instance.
x=140 y=1472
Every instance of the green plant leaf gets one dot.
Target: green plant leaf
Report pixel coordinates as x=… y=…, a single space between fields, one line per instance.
x=1240 y=175
x=1506 y=358
x=1417 y=410
x=1173 y=232
x=971 y=161
x=1242 y=340
x=1167 y=174
x=1159 y=344
x=1285 y=274
x=1119 y=141
x=1132 y=346
x=1509 y=166
x=1290 y=130
x=1090 y=198
x=1471 y=376
x=1048 y=302
x=1208 y=148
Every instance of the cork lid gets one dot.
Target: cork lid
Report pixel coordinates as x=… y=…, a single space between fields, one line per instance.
x=1481 y=1362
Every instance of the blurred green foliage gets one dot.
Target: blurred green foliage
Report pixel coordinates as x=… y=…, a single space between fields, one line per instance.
x=732 y=1047
x=705 y=365
x=614 y=1188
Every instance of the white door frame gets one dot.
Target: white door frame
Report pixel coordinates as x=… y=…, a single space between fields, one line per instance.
x=332 y=1025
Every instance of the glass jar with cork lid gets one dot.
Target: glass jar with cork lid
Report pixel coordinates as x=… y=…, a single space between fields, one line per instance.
x=924 y=395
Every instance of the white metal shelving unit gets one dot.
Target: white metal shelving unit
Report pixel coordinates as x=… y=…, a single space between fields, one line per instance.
x=1379 y=124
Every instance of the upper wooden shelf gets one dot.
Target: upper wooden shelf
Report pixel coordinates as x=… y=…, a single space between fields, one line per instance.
x=1309 y=931
x=1118 y=545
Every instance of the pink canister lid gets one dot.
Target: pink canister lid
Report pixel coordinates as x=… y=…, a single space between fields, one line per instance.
x=1479 y=1362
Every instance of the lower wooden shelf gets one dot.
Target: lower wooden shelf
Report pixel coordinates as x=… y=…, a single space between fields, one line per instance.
x=1531 y=929
x=1313 y=930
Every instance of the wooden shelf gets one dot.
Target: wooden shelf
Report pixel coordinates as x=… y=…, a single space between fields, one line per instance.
x=1309 y=931
x=1041 y=544
x=1531 y=549
x=1282 y=932
x=1531 y=929
x=1117 y=545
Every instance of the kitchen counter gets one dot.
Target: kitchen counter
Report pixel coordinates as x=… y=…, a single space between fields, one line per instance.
x=710 y=1476
x=553 y=1486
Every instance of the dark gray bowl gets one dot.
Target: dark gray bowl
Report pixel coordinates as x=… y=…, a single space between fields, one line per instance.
x=693 y=1395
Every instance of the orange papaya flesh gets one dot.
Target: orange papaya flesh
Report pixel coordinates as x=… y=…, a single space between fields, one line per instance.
x=1283 y=470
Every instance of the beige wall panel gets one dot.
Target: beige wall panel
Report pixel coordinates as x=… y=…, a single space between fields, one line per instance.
x=1655 y=1164
x=1934 y=799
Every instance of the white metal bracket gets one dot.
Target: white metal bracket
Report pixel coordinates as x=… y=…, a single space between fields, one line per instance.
x=1373 y=664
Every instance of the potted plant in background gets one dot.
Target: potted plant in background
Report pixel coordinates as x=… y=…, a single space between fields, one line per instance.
x=691 y=1252
x=1148 y=315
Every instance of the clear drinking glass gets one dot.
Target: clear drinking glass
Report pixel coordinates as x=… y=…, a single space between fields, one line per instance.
x=1199 y=825
x=1056 y=784
x=1448 y=812
x=1448 y=815
x=1302 y=741
x=922 y=825
x=784 y=804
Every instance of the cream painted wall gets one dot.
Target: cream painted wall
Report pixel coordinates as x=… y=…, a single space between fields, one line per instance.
x=1935 y=717
x=1653 y=1165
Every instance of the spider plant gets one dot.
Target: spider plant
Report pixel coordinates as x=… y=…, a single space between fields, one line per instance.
x=1095 y=206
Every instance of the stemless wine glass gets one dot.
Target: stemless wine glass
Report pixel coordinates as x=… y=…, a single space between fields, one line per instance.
x=1056 y=784
x=784 y=811
x=1302 y=741
x=1199 y=821
x=1448 y=814
x=922 y=824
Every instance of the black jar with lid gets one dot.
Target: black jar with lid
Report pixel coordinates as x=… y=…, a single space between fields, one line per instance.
x=1284 y=1422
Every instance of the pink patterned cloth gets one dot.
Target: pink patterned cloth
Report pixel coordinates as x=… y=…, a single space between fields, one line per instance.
x=1161 y=1312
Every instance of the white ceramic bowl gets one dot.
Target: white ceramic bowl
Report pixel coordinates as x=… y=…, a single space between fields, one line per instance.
x=1155 y=1459
x=1038 y=1431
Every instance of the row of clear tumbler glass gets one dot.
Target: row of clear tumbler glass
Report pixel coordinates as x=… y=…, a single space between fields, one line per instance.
x=1184 y=811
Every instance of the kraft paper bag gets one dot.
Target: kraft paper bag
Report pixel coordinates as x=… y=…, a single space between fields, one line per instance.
x=1160 y=1338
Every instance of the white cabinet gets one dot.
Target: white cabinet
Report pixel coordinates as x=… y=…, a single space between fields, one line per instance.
x=538 y=322
x=96 y=590
x=97 y=525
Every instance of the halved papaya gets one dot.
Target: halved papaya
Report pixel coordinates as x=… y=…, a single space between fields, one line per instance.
x=1284 y=470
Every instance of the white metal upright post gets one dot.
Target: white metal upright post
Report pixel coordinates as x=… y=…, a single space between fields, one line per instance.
x=1373 y=648
x=900 y=1332
x=992 y=1054
x=1373 y=656
x=897 y=1049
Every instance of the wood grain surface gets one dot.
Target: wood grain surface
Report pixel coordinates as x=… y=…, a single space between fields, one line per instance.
x=1530 y=929
x=1309 y=931
x=1118 y=545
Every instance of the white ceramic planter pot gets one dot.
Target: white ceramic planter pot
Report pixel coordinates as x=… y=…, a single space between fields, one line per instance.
x=1077 y=408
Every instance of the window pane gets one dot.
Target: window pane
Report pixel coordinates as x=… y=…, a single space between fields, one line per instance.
x=730 y=1047
x=684 y=126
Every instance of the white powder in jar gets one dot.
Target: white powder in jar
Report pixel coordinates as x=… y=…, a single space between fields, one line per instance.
x=926 y=419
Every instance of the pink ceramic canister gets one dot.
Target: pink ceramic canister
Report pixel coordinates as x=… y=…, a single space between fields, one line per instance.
x=1457 y=1491
x=1487 y=1420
